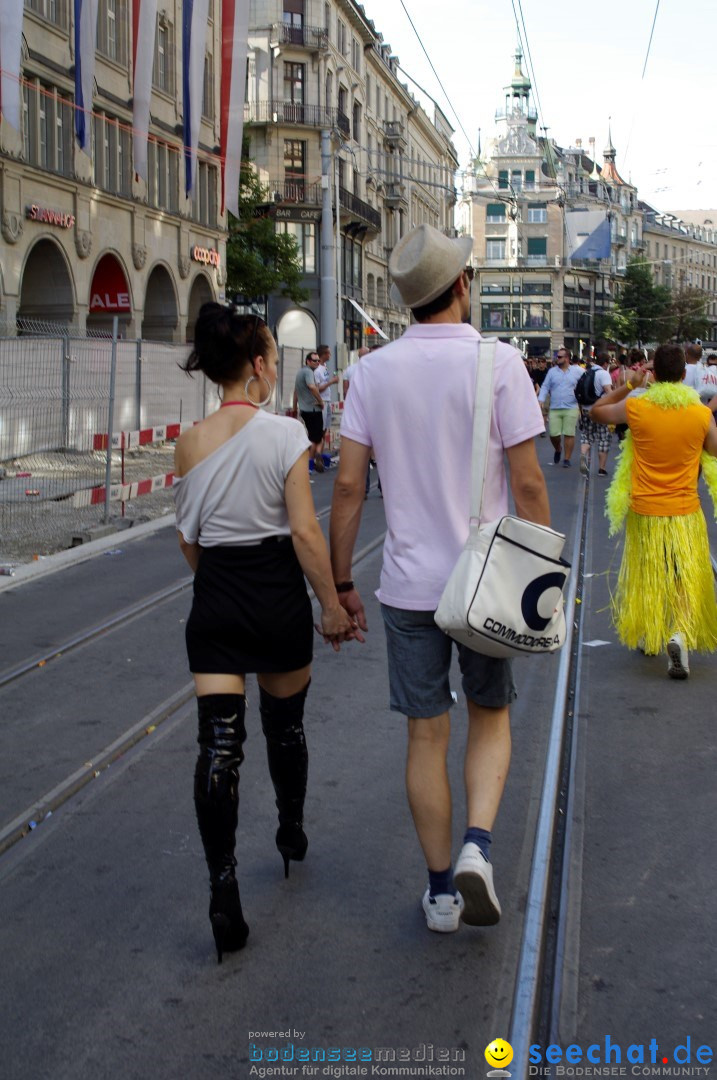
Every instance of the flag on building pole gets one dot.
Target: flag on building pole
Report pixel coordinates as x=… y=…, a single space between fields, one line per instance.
x=195 y=17
x=235 y=33
x=85 y=45
x=144 y=28
x=10 y=53
x=588 y=234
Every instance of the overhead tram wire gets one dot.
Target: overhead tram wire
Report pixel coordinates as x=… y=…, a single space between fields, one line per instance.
x=459 y=172
x=523 y=38
x=445 y=94
x=642 y=77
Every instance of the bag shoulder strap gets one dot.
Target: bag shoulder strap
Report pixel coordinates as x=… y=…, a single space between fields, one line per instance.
x=482 y=411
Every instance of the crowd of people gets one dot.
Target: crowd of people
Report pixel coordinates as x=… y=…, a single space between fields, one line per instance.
x=247 y=526
x=556 y=386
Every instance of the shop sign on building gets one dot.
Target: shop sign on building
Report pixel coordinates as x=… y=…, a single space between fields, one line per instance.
x=206 y=256
x=297 y=213
x=49 y=217
x=109 y=291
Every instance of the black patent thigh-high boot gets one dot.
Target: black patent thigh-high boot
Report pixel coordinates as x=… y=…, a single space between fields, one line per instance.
x=216 y=799
x=282 y=723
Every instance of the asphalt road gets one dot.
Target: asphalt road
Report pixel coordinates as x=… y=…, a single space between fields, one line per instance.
x=108 y=964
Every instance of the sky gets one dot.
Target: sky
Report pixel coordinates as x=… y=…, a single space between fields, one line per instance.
x=587 y=61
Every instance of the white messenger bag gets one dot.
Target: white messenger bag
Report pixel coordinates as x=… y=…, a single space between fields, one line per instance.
x=504 y=597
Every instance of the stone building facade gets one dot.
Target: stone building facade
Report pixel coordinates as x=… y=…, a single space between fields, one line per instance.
x=682 y=247
x=83 y=238
x=526 y=201
x=323 y=66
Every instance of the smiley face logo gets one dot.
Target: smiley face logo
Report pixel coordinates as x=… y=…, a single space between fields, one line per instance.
x=499 y=1053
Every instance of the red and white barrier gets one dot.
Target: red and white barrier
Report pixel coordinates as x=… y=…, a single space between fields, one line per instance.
x=123 y=492
x=125 y=440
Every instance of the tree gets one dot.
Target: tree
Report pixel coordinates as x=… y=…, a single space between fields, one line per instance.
x=618 y=325
x=259 y=259
x=648 y=302
x=687 y=315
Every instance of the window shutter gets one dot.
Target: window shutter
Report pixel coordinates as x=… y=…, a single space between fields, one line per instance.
x=537 y=245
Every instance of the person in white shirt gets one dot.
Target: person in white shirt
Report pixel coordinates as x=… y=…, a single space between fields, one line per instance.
x=590 y=432
x=363 y=351
x=693 y=365
x=324 y=382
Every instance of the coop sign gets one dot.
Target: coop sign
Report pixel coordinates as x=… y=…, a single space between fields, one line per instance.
x=206 y=256
x=49 y=217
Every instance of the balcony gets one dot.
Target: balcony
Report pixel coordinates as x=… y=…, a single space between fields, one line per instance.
x=509 y=114
x=343 y=123
x=358 y=210
x=620 y=238
x=395 y=196
x=295 y=190
x=287 y=112
x=315 y=38
x=394 y=134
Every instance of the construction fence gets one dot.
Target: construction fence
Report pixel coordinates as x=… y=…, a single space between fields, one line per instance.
x=87 y=431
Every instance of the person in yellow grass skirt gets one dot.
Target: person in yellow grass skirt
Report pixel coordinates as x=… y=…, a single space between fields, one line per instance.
x=665 y=597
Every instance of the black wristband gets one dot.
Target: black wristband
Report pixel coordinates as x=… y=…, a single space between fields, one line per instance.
x=344 y=586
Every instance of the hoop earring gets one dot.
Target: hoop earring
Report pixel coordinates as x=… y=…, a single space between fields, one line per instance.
x=251 y=380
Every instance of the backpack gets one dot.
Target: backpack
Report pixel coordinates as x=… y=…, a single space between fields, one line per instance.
x=585 y=393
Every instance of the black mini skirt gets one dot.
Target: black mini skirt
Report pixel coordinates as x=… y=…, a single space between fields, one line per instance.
x=251 y=611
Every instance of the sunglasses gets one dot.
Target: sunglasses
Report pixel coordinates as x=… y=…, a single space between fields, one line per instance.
x=257 y=323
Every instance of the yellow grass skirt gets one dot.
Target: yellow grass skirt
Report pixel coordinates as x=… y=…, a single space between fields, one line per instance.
x=665 y=584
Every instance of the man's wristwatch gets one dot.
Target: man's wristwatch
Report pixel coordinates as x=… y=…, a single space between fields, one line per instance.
x=344 y=586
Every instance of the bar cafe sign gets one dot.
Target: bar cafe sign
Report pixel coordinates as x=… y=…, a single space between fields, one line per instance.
x=49 y=217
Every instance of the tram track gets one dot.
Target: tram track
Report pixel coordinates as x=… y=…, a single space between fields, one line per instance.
x=44 y=806
x=105 y=626
x=538 y=982
x=542 y=956
x=546 y=951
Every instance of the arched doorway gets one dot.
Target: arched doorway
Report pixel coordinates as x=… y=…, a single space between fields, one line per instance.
x=47 y=292
x=161 y=316
x=296 y=328
x=109 y=296
x=201 y=293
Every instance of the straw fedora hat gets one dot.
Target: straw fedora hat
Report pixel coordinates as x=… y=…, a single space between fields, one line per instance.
x=424 y=263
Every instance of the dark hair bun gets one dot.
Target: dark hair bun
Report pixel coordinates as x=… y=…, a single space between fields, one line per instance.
x=223 y=342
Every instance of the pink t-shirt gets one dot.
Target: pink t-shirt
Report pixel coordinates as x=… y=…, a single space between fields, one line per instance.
x=412 y=401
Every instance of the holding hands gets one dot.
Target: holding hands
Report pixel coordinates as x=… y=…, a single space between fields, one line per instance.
x=338 y=625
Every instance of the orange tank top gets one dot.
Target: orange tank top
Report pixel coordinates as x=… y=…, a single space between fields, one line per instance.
x=667 y=444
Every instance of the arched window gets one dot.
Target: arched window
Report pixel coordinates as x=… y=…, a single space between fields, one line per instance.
x=380 y=292
x=370 y=289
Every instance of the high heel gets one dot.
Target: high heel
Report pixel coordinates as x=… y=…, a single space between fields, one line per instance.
x=292 y=842
x=216 y=799
x=282 y=723
x=227 y=919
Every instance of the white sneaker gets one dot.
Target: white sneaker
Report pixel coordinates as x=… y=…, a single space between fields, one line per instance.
x=473 y=875
x=584 y=464
x=443 y=912
x=678 y=666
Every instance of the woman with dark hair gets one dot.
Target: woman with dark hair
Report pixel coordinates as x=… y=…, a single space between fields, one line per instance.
x=247 y=527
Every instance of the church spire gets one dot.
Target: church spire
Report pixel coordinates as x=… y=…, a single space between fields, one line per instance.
x=609 y=169
x=518 y=107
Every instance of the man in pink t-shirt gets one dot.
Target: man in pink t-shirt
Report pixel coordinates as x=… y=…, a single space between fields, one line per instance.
x=413 y=403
